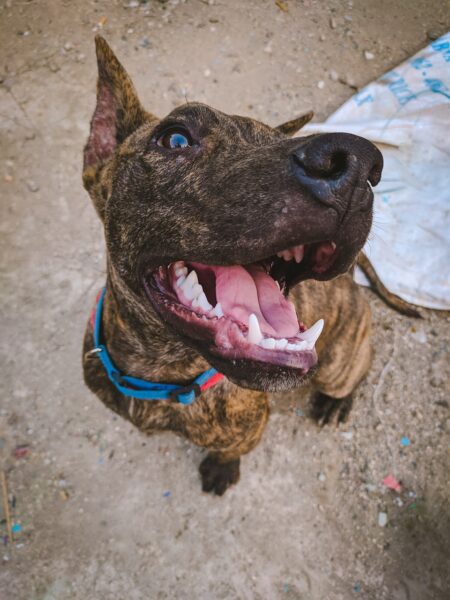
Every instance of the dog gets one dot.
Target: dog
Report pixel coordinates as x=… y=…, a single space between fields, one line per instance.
x=219 y=231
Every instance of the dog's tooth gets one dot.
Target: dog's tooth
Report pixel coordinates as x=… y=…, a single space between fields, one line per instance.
x=298 y=253
x=311 y=335
x=181 y=271
x=288 y=255
x=192 y=277
x=188 y=285
x=278 y=284
x=254 y=332
x=197 y=290
x=281 y=344
x=301 y=345
x=217 y=310
x=180 y=281
x=267 y=343
x=195 y=303
x=203 y=302
x=285 y=255
x=291 y=347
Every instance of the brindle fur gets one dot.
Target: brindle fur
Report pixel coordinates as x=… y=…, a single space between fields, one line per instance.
x=226 y=419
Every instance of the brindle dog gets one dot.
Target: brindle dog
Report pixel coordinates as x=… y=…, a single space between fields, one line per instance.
x=251 y=212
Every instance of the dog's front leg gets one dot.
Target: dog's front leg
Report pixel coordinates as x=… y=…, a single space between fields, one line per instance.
x=227 y=427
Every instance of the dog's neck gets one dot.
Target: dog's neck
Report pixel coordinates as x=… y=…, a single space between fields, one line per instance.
x=153 y=352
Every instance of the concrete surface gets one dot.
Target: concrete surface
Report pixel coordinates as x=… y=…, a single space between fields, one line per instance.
x=108 y=514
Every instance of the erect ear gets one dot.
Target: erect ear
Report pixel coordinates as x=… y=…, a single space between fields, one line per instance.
x=291 y=127
x=117 y=114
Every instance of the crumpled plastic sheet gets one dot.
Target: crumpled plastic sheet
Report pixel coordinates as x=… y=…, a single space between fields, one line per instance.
x=406 y=113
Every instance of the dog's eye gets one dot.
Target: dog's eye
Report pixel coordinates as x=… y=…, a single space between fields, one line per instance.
x=175 y=139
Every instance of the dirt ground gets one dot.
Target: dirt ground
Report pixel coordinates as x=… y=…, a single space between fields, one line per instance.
x=108 y=514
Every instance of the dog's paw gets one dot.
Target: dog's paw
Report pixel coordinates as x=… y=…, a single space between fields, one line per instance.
x=325 y=409
x=218 y=476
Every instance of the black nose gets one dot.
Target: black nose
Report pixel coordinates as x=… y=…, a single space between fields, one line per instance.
x=333 y=163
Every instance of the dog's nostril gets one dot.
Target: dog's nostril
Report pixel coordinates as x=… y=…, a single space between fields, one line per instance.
x=322 y=165
x=337 y=164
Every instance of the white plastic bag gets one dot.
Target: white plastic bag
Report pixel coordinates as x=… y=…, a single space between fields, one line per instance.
x=406 y=113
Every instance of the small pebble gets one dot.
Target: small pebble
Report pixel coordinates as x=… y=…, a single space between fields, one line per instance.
x=207 y=72
x=321 y=477
x=32 y=186
x=333 y=75
x=370 y=487
x=333 y=23
x=368 y=55
x=145 y=42
x=432 y=35
x=347 y=435
x=321 y=84
x=382 y=519
x=419 y=335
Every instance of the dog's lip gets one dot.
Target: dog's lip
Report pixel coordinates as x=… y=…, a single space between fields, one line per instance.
x=222 y=337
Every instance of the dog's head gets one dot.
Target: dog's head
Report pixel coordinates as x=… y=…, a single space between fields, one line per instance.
x=211 y=219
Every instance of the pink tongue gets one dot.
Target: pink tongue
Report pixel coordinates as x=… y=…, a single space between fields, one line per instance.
x=243 y=291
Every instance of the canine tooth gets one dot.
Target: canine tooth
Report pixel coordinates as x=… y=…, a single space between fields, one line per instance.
x=217 y=310
x=281 y=344
x=291 y=347
x=311 y=335
x=180 y=281
x=197 y=290
x=254 y=332
x=267 y=343
x=278 y=284
x=203 y=302
x=298 y=253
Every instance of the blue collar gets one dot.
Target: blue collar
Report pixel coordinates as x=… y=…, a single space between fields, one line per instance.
x=139 y=388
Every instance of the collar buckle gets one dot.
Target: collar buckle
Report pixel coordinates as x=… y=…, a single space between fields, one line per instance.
x=186 y=394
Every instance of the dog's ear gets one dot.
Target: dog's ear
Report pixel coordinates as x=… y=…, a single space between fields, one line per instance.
x=117 y=114
x=291 y=127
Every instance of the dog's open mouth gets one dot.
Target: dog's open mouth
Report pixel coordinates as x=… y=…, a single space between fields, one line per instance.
x=242 y=311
